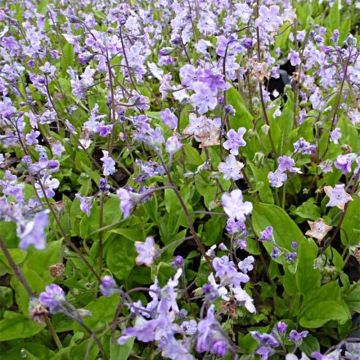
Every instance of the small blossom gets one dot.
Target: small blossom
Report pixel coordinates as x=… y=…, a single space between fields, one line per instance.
x=231 y=168
x=267 y=234
x=33 y=232
x=335 y=136
x=169 y=118
x=235 y=140
x=281 y=327
x=338 y=196
x=297 y=337
x=173 y=145
x=108 y=286
x=277 y=178
x=318 y=229
x=108 y=164
x=146 y=251
x=344 y=162
x=52 y=297
x=234 y=206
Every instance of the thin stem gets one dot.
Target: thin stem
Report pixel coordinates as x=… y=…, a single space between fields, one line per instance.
x=53 y=333
x=15 y=268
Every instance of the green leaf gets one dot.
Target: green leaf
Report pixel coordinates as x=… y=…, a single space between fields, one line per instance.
x=285 y=229
x=121 y=352
x=307 y=277
x=350 y=228
x=323 y=304
x=17 y=326
x=120 y=256
x=242 y=116
x=352 y=298
x=310 y=345
x=102 y=312
x=308 y=210
x=324 y=311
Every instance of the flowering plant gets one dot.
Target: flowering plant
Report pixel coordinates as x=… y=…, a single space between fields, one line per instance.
x=179 y=179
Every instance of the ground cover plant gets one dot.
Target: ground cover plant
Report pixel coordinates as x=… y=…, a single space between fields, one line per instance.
x=179 y=179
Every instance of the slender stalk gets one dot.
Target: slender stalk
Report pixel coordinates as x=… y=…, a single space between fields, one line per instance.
x=15 y=268
x=187 y=214
x=266 y=118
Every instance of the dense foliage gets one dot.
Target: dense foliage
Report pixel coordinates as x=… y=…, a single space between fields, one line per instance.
x=179 y=179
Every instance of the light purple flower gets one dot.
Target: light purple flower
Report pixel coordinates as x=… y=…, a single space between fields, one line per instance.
x=52 y=297
x=108 y=164
x=231 y=168
x=335 y=135
x=267 y=234
x=234 y=206
x=209 y=331
x=32 y=232
x=281 y=327
x=277 y=178
x=169 y=118
x=146 y=251
x=294 y=58
x=235 y=140
x=128 y=200
x=204 y=98
x=286 y=163
x=86 y=203
x=173 y=145
x=337 y=196
x=108 y=286
x=344 y=162
x=269 y=18
x=297 y=337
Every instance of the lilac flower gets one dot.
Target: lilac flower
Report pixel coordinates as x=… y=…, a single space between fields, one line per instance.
x=57 y=149
x=275 y=253
x=189 y=327
x=128 y=201
x=265 y=339
x=52 y=297
x=204 y=98
x=104 y=130
x=286 y=163
x=234 y=206
x=277 y=178
x=269 y=18
x=31 y=137
x=169 y=118
x=297 y=337
x=244 y=299
x=86 y=203
x=108 y=164
x=344 y=162
x=294 y=58
x=209 y=331
x=146 y=251
x=235 y=140
x=335 y=135
x=267 y=234
x=233 y=226
x=337 y=196
x=246 y=265
x=219 y=348
x=231 y=168
x=226 y=271
x=281 y=327
x=108 y=286
x=32 y=232
x=304 y=147
x=173 y=145
x=178 y=261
